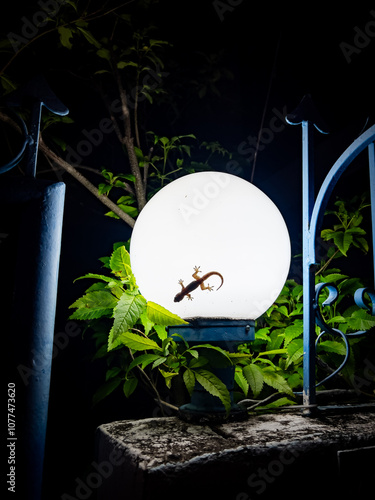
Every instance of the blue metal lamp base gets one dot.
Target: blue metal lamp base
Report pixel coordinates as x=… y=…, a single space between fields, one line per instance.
x=226 y=334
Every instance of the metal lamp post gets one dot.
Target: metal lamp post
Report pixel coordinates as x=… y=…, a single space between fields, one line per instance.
x=227 y=263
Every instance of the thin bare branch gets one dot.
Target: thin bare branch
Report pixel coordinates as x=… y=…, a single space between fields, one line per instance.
x=86 y=183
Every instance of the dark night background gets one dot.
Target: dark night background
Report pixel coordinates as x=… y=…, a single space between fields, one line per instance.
x=309 y=60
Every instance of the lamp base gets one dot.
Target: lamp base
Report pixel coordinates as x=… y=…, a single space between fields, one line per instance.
x=190 y=413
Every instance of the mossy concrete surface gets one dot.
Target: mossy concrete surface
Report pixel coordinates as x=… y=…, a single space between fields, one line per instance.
x=328 y=455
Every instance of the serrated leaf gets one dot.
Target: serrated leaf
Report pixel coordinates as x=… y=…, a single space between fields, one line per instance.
x=276 y=381
x=127 y=312
x=146 y=322
x=161 y=316
x=137 y=342
x=262 y=333
x=361 y=320
x=332 y=346
x=161 y=332
x=120 y=262
x=214 y=386
x=295 y=351
x=241 y=381
x=332 y=278
x=254 y=376
x=94 y=305
x=144 y=360
x=293 y=331
x=189 y=380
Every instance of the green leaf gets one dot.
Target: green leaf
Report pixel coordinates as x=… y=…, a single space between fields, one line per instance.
x=189 y=380
x=273 y=352
x=168 y=376
x=89 y=37
x=65 y=35
x=120 y=262
x=293 y=331
x=127 y=312
x=106 y=389
x=343 y=241
x=361 y=320
x=161 y=316
x=276 y=404
x=124 y=64
x=144 y=360
x=332 y=278
x=213 y=385
x=295 y=352
x=254 y=376
x=332 y=346
x=146 y=322
x=137 y=342
x=94 y=305
x=112 y=372
x=97 y=277
x=129 y=386
x=262 y=333
x=161 y=332
x=241 y=381
x=276 y=381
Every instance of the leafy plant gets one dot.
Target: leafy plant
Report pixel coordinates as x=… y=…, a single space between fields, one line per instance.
x=137 y=346
x=135 y=342
x=117 y=49
x=278 y=348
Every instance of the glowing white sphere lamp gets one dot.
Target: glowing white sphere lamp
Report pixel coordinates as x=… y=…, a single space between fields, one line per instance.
x=221 y=224
x=213 y=249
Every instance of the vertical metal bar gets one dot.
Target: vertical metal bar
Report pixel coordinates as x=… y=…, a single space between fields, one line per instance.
x=32 y=150
x=307 y=266
x=371 y=158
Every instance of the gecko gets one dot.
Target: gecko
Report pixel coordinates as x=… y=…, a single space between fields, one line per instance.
x=199 y=281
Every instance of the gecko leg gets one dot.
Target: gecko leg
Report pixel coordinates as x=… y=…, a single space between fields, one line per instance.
x=196 y=271
x=208 y=287
x=181 y=283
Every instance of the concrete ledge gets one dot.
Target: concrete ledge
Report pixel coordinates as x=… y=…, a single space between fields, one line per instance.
x=261 y=457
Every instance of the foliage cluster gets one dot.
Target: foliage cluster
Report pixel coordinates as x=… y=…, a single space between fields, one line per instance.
x=138 y=346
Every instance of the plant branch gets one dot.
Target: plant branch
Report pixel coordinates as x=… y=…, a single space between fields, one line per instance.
x=128 y=141
x=323 y=268
x=85 y=182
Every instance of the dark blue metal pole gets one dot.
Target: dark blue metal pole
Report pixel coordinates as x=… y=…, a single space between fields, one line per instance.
x=32 y=210
x=308 y=269
x=371 y=158
x=307 y=116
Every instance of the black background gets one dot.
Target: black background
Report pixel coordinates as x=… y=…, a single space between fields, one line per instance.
x=309 y=59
